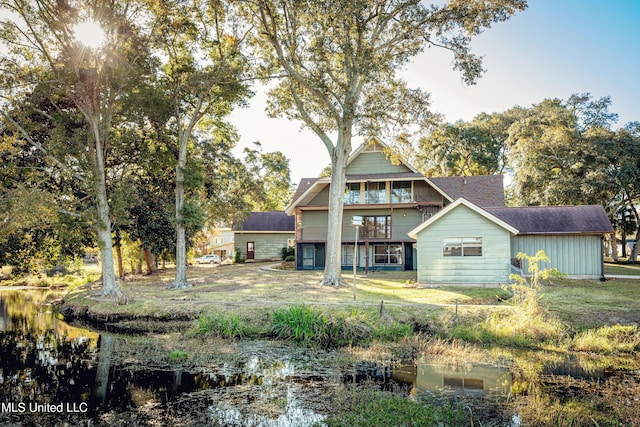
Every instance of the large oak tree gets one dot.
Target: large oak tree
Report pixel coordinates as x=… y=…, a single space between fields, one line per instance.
x=339 y=60
x=42 y=49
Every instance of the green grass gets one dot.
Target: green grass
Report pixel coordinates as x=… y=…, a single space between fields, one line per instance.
x=588 y=304
x=484 y=316
x=614 y=339
x=225 y=325
x=622 y=268
x=72 y=280
x=375 y=408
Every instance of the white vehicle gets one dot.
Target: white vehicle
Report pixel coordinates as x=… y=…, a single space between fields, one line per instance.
x=209 y=259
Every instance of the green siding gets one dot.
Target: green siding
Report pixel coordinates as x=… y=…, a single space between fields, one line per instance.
x=423 y=192
x=322 y=199
x=573 y=255
x=374 y=162
x=314 y=225
x=403 y=221
x=493 y=267
x=268 y=246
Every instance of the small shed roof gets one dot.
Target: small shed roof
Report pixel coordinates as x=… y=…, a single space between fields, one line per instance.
x=590 y=219
x=268 y=221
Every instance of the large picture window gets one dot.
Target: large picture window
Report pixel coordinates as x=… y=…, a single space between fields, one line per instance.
x=387 y=254
x=462 y=246
x=377 y=227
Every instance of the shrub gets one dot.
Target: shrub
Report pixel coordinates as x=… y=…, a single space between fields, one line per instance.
x=288 y=253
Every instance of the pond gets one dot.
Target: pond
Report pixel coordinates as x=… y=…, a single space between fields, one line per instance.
x=53 y=373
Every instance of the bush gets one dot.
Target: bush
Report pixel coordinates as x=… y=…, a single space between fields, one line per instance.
x=288 y=253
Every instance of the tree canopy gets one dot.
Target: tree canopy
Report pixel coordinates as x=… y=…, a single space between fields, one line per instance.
x=338 y=63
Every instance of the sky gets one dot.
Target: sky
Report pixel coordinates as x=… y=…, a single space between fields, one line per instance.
x=553 y=49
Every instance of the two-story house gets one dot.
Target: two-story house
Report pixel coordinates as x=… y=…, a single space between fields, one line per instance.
x=449 y=229
x=392 y=198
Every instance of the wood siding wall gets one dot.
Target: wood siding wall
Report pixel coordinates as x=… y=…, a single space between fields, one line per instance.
x=493 y=267
x=268 y=246
x=314 y=223
x=376 y=161
x=574 y=255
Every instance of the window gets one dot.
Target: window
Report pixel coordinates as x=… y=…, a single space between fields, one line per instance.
x=401 y=192
x=377 y=227
x=352 y=193
x=347 y=255
x=387 y=254
x=462 y=246
x=376 y=192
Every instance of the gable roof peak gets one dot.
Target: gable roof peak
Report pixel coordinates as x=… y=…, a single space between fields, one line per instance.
x=375 y=144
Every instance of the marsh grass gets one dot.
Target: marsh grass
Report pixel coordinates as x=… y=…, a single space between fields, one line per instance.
x=333 y=327
x=225 y=325
x=613 y=339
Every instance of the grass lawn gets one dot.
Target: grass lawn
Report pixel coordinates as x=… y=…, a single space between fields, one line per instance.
x=252 y=292
x=592 y=303
x=622 y=268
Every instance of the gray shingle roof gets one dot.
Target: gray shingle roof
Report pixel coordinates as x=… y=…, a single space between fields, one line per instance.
x=305 y=184
x=481 y=190
x=590 y=219
x=268 y=221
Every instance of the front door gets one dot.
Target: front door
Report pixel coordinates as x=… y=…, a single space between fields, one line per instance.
x=308 y=256
x=251 y=251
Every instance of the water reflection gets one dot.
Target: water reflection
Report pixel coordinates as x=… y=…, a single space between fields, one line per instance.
x=45 y=360
x=468 y=379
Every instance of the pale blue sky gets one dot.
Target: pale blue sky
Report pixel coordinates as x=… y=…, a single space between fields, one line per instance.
x=551 y=50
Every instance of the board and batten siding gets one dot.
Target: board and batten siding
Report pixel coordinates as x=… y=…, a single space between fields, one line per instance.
x=493 y=267
x=575 y=255
x=268 y=246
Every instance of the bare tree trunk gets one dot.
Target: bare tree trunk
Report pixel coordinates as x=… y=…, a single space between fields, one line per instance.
x=150 y=260
x=109 y=284
x=612 y=245
x=180 y=280
x=333 y=264
x=119 y=260
x=633 y=256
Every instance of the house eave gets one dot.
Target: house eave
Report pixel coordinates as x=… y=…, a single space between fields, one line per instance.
x=461 y=201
